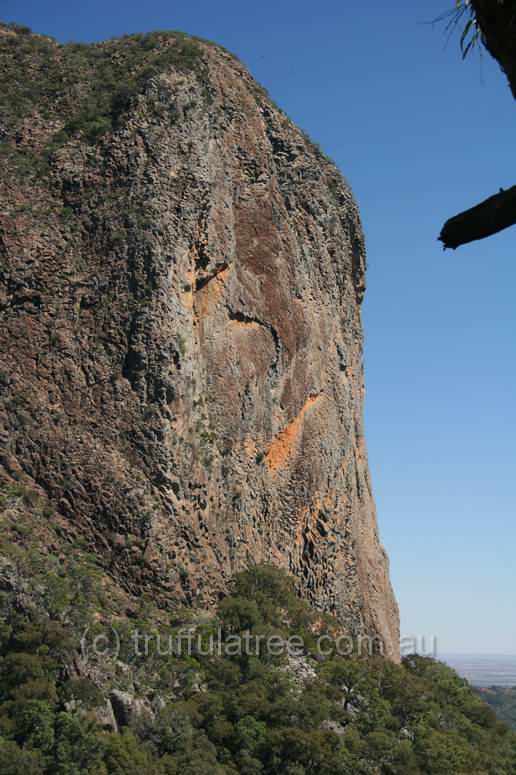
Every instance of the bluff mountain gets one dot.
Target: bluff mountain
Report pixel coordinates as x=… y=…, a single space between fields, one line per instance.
x=181 y=380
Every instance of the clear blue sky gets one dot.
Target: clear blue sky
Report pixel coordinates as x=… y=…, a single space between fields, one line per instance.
x=419 y=135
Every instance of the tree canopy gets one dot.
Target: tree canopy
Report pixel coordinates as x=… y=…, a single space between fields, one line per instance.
x=221 y=714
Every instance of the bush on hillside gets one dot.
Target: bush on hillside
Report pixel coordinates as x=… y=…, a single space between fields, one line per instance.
x=219 y=713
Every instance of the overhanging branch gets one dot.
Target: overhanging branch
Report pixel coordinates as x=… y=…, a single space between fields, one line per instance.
x=489 y=217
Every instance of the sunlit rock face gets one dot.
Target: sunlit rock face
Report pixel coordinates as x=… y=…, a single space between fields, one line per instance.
x=181 y=339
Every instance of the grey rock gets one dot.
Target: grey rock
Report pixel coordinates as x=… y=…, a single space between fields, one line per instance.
x=129 y=710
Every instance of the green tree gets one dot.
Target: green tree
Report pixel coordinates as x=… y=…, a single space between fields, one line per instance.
x=34 y=724
x=18 y=761
x=78 y=749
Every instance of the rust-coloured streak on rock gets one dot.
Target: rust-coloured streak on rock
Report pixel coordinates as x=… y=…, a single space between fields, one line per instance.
x=210 y=293
x=282 y=446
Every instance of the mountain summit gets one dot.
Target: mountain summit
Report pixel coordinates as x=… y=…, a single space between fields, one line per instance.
x=181 y=272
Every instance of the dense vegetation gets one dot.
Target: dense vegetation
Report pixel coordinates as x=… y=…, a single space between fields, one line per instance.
x=503 y=701
x=244 y=714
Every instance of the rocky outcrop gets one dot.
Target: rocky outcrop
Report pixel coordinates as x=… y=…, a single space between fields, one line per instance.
x=181 y=343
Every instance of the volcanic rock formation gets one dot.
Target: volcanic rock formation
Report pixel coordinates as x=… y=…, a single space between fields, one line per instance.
x=181 y=272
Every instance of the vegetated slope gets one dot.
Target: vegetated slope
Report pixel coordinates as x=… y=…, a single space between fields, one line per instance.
x=503 y=701
x=155 y=711
x=181 y=348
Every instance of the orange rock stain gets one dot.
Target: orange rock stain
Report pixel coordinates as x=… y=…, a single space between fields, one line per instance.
x=210 y=294
x=281 y=448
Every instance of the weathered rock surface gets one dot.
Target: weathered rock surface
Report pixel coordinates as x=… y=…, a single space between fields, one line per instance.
x=181 y=345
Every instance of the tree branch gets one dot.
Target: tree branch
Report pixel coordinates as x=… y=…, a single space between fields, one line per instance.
x=497 y=22
x=489 y=217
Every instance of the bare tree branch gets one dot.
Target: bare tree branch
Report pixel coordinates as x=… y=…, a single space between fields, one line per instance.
x=489 y=217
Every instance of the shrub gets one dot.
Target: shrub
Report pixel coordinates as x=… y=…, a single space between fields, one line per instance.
x=18 y=761
x=217 y=713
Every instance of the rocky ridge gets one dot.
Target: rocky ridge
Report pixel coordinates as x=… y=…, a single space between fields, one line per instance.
x=181 y=272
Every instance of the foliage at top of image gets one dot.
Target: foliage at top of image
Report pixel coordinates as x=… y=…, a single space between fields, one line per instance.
x=224 y=715
x=461 y=18
x=471 y=35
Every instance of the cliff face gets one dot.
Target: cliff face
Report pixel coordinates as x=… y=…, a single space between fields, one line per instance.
x=181 y=273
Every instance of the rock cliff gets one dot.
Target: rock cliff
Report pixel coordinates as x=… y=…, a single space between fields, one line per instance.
x=181 y=272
